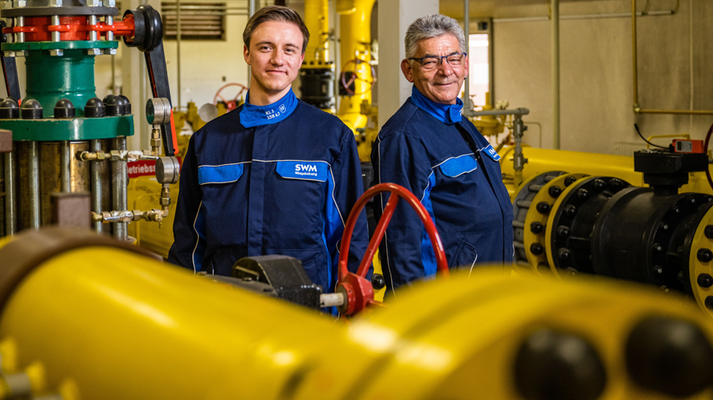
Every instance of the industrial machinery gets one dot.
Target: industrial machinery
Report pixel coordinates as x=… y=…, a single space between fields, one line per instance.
x=66 y=140
x=609 y=225
x=133 y=328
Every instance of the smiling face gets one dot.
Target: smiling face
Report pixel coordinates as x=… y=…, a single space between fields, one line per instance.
x=275 y=56
x=443 y=84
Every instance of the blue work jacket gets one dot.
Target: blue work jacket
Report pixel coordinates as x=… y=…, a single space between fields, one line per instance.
x=461 y=188
x=283 y=187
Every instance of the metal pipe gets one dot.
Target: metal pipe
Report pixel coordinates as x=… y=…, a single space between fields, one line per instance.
x=109 y=20
x=518 y=158
x=684 y=112
x=178 y=52
x=251 y=10
x=516 y=111
x=491 y=63
x=92 y=22
x=65 y=160
x=55 y=35
x=10 y=223
x=585 y=16
x=119 y=191
x=96 y=184
x=34 y=189
x=633 y=44
x=20 y=21
x=555 y=74
x=466 y=30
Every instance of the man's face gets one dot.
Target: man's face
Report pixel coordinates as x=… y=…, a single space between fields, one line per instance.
x=443 y=84
x=275 y=55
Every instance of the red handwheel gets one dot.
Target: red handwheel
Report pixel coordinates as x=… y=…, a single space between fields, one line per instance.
x=357 y=290
x=230 y=104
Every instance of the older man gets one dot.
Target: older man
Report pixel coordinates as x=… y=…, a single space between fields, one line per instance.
x=274 y=176
x=437 y=154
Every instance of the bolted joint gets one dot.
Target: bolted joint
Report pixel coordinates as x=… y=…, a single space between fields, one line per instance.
x=109 y=3
x=94 y=3
x=55 y=3
x=56 y=53
x=111 y=52
x=95 y=52
x=119 y=155
x=21 y=3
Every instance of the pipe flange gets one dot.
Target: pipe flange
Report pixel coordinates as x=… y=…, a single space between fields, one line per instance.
x=570 y=226
x=700 y=268
x=30 y=249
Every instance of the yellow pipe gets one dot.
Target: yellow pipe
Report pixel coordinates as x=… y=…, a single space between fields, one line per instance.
x=355 y=39
x=117 y=325
x=622 y=167
x=317 y=22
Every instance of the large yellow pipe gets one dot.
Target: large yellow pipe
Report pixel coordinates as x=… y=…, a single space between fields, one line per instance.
x=115 y=325
x=317 y=22
x=622 y=167
x=355 y=42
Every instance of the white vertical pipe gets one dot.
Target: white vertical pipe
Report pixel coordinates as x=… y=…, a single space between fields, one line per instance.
x=555 y=74
x=466 y=30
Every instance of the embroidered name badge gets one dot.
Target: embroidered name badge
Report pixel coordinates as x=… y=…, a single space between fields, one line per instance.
x=304 y=170
x=490 y=151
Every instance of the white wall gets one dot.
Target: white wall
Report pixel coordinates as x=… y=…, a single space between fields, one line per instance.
x=596 y=72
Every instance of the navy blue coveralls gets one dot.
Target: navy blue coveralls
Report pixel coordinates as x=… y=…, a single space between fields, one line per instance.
x=423 y=148
x=277 y=179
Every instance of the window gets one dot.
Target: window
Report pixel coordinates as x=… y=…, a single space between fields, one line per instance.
x=199 y=21
x=479 y=74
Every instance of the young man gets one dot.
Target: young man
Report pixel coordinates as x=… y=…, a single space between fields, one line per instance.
x=274 y=176
x=437 y=154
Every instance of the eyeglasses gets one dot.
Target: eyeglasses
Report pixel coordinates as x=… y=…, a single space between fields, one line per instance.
x=430 y=63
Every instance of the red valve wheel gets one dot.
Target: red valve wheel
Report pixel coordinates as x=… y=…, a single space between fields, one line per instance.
x=358 y=291
x=232 y=104
x=355 y=77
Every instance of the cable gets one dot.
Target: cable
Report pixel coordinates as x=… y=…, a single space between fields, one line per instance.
x=642 y=137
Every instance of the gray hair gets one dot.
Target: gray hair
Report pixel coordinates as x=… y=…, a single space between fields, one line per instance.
x=432 y=26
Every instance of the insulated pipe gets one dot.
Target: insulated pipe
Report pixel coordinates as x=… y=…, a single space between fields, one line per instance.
x=555 y=74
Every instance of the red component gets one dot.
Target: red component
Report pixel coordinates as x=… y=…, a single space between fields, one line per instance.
x=39 y=29
x=688 y=146
x=358 y=291
x=232 y=104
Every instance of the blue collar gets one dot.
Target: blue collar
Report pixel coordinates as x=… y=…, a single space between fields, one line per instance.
x=252 y=115
x=448 y=113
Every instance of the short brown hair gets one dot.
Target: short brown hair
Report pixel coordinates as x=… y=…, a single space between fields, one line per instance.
x=275 y=13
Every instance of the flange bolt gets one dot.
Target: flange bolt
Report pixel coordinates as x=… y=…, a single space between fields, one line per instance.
x=543 y=207
x=704 y=255
x=708 y=231
x=536 y=249
x=705 y=280
x=64 y=109
x=554 y=191
x=537 y=227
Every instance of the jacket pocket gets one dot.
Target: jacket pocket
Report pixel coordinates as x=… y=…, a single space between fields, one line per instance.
x=465 y=256
x=303 y=170
x=458 y=166
x=216 y=174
